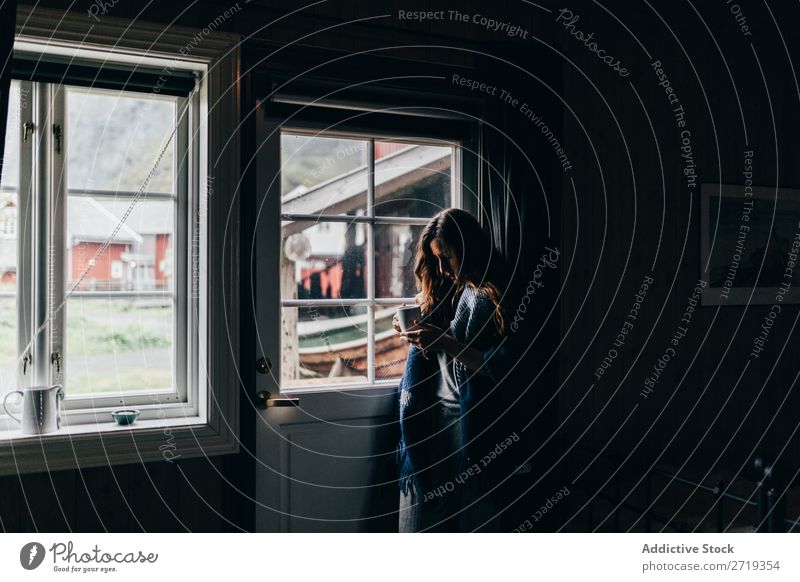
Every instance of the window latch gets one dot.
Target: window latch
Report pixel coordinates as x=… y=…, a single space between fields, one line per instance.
x=26 y=359
x=57 y=134
x=27 y=130
x=55 y=358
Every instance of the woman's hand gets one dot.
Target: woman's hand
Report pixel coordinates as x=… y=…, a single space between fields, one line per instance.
x=396 y=318
x=427 y=337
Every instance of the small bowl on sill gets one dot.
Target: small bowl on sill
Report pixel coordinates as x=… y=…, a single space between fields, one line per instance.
x=125 y=416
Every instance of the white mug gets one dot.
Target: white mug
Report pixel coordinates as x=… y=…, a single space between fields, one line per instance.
x=406 y=316
x=41 y=408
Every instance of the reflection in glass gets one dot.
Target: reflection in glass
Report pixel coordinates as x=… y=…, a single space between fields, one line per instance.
x=412 y=180
x=114 y=139
x=395 y=250
x=390 y=351
x=323 y=175
x=323 y=345
x=324 y=260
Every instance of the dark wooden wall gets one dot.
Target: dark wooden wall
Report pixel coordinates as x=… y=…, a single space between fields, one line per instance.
x=698 y=416
x=216 y=494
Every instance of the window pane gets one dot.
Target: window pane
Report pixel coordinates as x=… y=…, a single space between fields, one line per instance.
x=114 y=139
x=323 y=345
x=10 y=177
x=116 y=345
x=390 y=350
x=411 y=180
x=321 y=175
x=120 y=344
x=395 y=250
x=323 y=260
x=8 y=245
x=140 y=253
x=8 y=344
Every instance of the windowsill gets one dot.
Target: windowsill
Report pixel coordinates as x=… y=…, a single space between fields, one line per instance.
x=101 y=429
x=87 y=445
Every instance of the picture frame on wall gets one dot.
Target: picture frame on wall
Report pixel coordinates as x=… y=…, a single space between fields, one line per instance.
x=749 y=236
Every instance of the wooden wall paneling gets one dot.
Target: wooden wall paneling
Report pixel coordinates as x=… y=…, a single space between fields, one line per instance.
x=10 y=503
x=153 y=496
x=200 y=498
x=100 y=504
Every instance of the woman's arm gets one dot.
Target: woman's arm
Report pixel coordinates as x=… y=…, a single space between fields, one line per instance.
x=471 y=357
x=430 y=337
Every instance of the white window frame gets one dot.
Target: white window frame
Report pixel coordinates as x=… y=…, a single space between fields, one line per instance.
x=203 y=419
x=49 y=104
x=369 y=220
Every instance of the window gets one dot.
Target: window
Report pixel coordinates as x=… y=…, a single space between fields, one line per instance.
x=114 y=329
x=352 y=209
x=130 y=284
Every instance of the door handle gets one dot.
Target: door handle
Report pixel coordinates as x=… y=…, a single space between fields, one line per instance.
x=265 y=400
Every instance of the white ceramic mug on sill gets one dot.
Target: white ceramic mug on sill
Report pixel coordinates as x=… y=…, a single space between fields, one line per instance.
x=41 y=408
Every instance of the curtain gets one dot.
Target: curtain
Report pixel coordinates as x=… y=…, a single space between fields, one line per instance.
x=521 y=184
x=8 y=13
x=520 y=173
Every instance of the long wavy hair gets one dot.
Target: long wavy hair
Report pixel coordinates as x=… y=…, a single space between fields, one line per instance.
x=479 y=266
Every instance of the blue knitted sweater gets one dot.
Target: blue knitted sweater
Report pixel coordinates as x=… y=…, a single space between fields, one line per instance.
x=417 y=399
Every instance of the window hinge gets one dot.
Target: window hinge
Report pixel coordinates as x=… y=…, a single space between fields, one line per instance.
x=27 y=130
x=57 y=134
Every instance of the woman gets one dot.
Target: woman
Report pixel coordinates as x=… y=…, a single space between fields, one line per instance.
x=460 y=279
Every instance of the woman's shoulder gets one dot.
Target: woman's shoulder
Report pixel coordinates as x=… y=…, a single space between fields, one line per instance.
x=476 y=297
x=475 y=303
x=474 y=316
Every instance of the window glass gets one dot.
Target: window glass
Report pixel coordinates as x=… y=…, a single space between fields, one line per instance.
x=115 y=138
x=338 y=328
x=324 y=345
x=411 y=180
x=112 y=254
x=119 y=345
x=121 y=258
x=321 y=175
x=9 y=200
x=390 y=350
x=395 y=251
x=323 y=260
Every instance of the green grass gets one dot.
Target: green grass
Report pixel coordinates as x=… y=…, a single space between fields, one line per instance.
x=100 y=330
x=90 y=337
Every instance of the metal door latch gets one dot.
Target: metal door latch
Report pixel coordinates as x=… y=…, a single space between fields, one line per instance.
x=265 y=400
